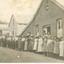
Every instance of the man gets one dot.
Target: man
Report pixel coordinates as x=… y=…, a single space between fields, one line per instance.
x=13 y=43
x=22 y=42
x=5 y=42
x=8 y=42
x=3 y=38
x=19 y=43
x=16 y=43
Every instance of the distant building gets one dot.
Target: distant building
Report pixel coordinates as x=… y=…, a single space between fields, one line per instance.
x=4 y=30
x=15 y=27
x=48 y=19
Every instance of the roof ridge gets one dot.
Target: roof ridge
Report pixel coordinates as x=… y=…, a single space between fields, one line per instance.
x=57 y=3
x=32 y=18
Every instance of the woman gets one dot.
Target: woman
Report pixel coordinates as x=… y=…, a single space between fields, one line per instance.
x=31 y=43
x=35 y=44
x=61 y=48
x=39 y=47
x=56 y=47
x=26 y=44
x=44 y=46
x=50 y=46
x=19 y=44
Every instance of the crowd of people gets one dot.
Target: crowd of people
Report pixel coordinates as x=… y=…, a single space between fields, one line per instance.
x=46 y=45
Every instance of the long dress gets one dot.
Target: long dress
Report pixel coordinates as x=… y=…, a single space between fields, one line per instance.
x=35 y=44
x=50 y=46
x=61 y=48
x=44 y=46
x=56 y=48
x=31 y=44
x=28 y=45
x=39 y=48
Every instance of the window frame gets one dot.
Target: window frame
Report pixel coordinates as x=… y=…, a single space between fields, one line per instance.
x=48 y=25
x=57 y=21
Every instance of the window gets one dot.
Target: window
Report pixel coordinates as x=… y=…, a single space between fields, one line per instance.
x=59 y=23
x=59 y=28
x=46 y=30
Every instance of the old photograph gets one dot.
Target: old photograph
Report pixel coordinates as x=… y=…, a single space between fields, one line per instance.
x=31 y=31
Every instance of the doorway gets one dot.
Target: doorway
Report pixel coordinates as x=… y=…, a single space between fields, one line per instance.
x=46 y=30
x=59 y=28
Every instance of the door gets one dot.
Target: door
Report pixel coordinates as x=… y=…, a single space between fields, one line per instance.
x=46 y=30
x=59 y=29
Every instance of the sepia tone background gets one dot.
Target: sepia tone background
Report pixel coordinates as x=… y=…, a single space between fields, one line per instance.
x=25 y=10
x=19 y=7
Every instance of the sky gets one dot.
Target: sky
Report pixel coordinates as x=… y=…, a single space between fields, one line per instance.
x=23 y=8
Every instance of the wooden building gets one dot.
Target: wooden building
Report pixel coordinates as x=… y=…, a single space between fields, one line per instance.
x=49 y=18
x=15 y=26
x=4 y=30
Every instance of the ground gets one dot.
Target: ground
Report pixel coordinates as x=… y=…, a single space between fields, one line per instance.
x=12 y=56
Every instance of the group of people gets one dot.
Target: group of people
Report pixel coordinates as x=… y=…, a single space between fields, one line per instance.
x=8 y=43
x=46 y=45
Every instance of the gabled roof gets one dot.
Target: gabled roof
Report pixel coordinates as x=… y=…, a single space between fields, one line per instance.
x=33 y=18
x=54 y=1
x=21 y=19
x=12 y=18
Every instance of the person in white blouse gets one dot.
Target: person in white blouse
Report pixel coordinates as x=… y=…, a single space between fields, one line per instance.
x=35 y=44
x=61 y=48
x=39 y=47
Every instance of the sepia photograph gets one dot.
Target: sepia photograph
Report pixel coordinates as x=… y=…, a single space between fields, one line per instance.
x=31 y=31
